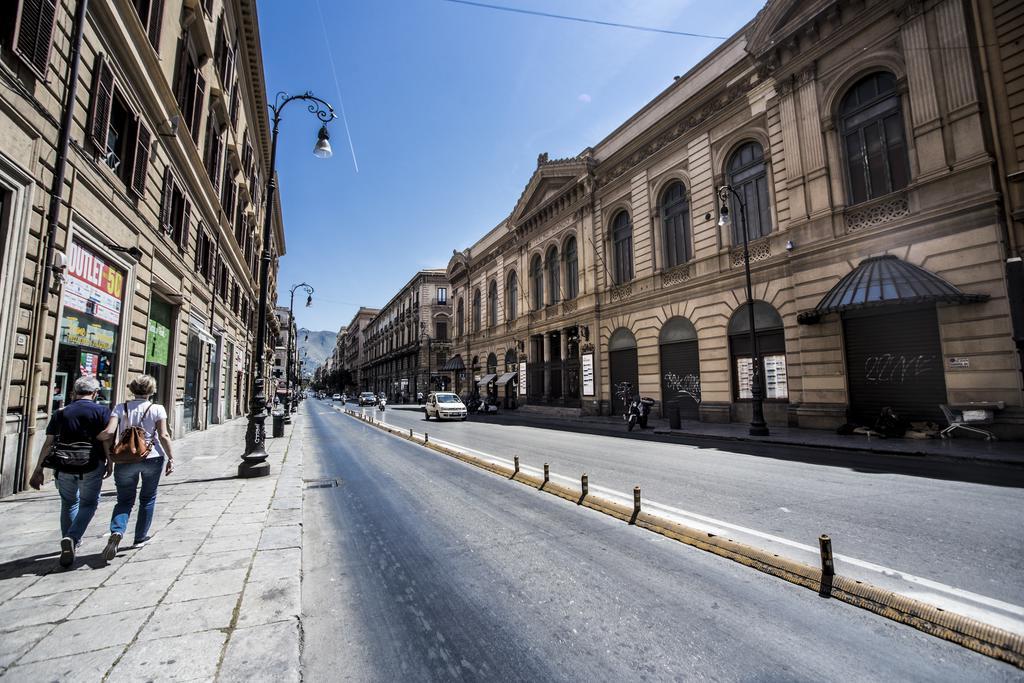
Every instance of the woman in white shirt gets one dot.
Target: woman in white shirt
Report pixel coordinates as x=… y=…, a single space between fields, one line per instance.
x=152 y=417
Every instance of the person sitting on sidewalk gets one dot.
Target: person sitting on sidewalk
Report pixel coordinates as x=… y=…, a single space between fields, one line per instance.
x=152 y=417
x=80 y=421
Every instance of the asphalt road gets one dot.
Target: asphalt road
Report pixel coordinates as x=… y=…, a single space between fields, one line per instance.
x=419 y=567
x=900 y=512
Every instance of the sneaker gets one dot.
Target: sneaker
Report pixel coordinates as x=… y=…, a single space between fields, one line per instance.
x=141 y=543
x=111 y=550
x=67 y=551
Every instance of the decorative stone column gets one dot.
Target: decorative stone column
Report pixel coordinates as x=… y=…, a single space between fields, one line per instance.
x=564 y=348
x=547 y=366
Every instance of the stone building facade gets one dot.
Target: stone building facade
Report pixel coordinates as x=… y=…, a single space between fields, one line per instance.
x=356 y=352
x=153 y=250
x=407 y=342
x=858 y=142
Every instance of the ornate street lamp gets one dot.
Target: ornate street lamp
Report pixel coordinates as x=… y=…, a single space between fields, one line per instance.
x=758 y=427
x=289 y=402
x=254 y=460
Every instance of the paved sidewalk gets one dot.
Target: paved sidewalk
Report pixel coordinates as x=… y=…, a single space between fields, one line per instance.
x=959 y=448
x=214 y=595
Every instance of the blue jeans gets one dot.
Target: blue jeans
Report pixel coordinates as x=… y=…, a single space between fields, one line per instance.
x=126 y=478
x=79 y=497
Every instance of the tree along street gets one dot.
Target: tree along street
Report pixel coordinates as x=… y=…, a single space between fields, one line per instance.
x=417 y=566
x=903 y=513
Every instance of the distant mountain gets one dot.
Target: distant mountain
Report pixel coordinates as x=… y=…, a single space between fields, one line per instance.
x=316 y=347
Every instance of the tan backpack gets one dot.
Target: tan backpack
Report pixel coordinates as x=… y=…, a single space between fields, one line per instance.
x=133 y=445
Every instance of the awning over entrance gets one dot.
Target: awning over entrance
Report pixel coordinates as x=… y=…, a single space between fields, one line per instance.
x=505 y=378
x=453 y=364
x=485 y=380
x=885 y=281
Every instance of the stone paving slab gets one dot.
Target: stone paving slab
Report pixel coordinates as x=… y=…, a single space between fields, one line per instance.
x=216 y=595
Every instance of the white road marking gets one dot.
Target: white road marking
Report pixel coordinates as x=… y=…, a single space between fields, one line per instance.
x=204 y=457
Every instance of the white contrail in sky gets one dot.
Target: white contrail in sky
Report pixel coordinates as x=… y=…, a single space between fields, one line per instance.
x=337 y=87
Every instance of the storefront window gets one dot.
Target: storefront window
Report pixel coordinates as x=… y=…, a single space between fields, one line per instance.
x=90 y=324
x=158 y=340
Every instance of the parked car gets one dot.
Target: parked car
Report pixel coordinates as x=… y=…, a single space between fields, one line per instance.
x=444 y=405
x=367 y=398
x=336 y=397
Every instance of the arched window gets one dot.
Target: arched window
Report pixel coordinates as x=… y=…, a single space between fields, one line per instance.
x=492 y=363
x=461 y=318
x=871 y=124
x=572 y=269
x=476 y=310
x=554 y=271
x=749 y=177
x=675 y=219
x=537 y=282
x=771 y=346
x=622 y=247
x=512 y=296
x=492 y=304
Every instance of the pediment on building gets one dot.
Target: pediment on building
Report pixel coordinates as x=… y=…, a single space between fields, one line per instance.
x=546 y=183
x=782 y=26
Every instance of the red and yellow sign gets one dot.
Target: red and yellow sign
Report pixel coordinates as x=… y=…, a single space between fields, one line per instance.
x=93 y=286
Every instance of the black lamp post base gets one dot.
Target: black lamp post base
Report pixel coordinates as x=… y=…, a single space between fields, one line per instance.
x=250 y=469
x=758 y=430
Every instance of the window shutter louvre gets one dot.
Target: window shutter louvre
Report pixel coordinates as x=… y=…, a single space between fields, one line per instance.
x=186 y=209
x=197 y=105
x=156 y=15
x=140 y=161
x=33 y=33
x=99 y=111
x=165 y=201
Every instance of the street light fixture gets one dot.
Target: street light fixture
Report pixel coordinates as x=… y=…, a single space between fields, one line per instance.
x=322 y=149
x=254 y=460
x=758 y=427
x=289 y=403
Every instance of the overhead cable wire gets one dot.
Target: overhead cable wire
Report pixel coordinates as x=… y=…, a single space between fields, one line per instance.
x=564 y=17
x=337 y=86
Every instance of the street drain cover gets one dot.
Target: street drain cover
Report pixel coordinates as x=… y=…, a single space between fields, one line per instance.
x=321 y=483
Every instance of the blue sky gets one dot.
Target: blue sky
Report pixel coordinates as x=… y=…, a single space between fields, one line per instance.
x=448 y=106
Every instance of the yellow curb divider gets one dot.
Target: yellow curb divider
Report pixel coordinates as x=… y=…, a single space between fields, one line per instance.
x=970 y=633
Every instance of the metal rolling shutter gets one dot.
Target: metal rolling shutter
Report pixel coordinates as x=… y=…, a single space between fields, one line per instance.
x=680 y=377
x=894 y=359
x=623 y=369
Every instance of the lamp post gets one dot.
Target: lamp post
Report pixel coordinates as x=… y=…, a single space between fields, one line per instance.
x=254 y=460
x=758 y=427
x=289 y=403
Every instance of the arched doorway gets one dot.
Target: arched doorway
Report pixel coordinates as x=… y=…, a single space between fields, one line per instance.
x=680 y=367
x=622 y=365
x=771 y=346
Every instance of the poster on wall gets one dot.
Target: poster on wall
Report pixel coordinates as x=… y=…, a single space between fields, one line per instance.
x=93 y=286
x=588 y=374
x=79 y=331
x=522 y=379
x=157 y=340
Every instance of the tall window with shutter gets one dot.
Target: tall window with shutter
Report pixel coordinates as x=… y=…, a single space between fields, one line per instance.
x=33 y=33
x=121 y=139
x=151 y=14
x=214 y=150
x=175 y=211
x=189 y=89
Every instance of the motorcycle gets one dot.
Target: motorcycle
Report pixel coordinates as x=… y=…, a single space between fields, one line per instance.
x=480 y=404
x=382 y=403
x=637 y=409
